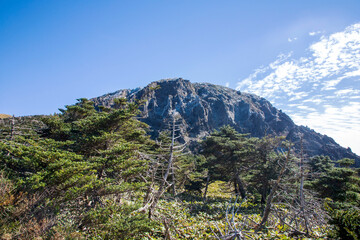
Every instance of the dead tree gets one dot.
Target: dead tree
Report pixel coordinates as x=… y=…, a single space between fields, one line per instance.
x=12 y=127
x=300 y=211
x=233 y=230
x=301 y=190
x=173 y=150
x=297 y=209
x=163 y=163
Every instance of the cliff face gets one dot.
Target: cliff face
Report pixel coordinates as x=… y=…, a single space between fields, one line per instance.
x=205 y=107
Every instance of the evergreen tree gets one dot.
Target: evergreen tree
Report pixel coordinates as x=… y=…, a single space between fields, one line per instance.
x=111 y=141
x=265 y=167
x=192 y=172
x=338 y=183
x=229 y=154
x=86 y=159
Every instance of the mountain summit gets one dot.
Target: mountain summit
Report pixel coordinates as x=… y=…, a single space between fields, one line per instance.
x=204 y=107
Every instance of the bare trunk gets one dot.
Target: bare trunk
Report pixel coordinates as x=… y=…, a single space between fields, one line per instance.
x=301 y=191
x=173 y=181
x=171 y=158
x=151 y=205
x=12 y=129
x=206 y=187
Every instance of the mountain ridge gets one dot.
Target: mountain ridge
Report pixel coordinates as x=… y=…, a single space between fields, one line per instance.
x=204 y=107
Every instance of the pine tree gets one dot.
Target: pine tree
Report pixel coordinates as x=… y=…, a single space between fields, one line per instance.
x=229 y=154
x=110 y=141
x=85 y=159
x=341 y=184
x=264 y=168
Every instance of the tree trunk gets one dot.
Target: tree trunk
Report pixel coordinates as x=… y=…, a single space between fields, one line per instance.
x=236 y=187
x=301 y=190
x=206 y=187
x=173 y=181
x=12 y=128
x=164 y=185
x=239 y=186
x=263 y=194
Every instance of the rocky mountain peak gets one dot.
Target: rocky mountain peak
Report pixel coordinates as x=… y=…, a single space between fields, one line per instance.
x=204 y=107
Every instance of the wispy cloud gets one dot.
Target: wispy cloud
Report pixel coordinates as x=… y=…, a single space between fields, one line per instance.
x=292 y=39
x=347 y=92
x=315 y=33
x=321 y=85
x=342 y=123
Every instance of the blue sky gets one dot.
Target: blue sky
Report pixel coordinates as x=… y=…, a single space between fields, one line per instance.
x=53 y=52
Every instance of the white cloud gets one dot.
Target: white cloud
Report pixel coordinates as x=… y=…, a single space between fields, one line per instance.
x=227 y=84
x=322 y=86
x=304 y=107
x=340 y=123
x=355 y=73
x=315 y=33
x=298 y=95
x=355 y=97
x=330 y=85
x=315 y=100
x=347 y=92
x=292 y=39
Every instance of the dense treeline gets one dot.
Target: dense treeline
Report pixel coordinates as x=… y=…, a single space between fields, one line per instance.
x=91 y=173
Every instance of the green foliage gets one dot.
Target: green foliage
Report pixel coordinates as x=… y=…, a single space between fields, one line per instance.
x=84 y=158
x=266 y=165
x=338 y=183
x=342 y=185
x=346 y=162
x=228 y=154
x=346 y=224
x=114 y=221
x=85 y=174
x=320 y=164
x=110 y=141
x=42 y=166
x=190 y=172
x=235 y=157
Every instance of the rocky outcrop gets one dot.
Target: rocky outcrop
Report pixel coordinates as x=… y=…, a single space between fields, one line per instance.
x=204 y=107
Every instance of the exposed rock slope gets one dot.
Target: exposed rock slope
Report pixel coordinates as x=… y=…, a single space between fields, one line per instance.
x=204 y=107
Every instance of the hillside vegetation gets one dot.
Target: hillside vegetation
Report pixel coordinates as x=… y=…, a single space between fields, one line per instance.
x=4 y=115
x=91 y=173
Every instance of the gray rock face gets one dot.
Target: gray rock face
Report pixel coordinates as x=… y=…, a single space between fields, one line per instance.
x=204 y=107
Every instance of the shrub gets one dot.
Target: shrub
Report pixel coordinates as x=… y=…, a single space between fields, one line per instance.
x=346 y=224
